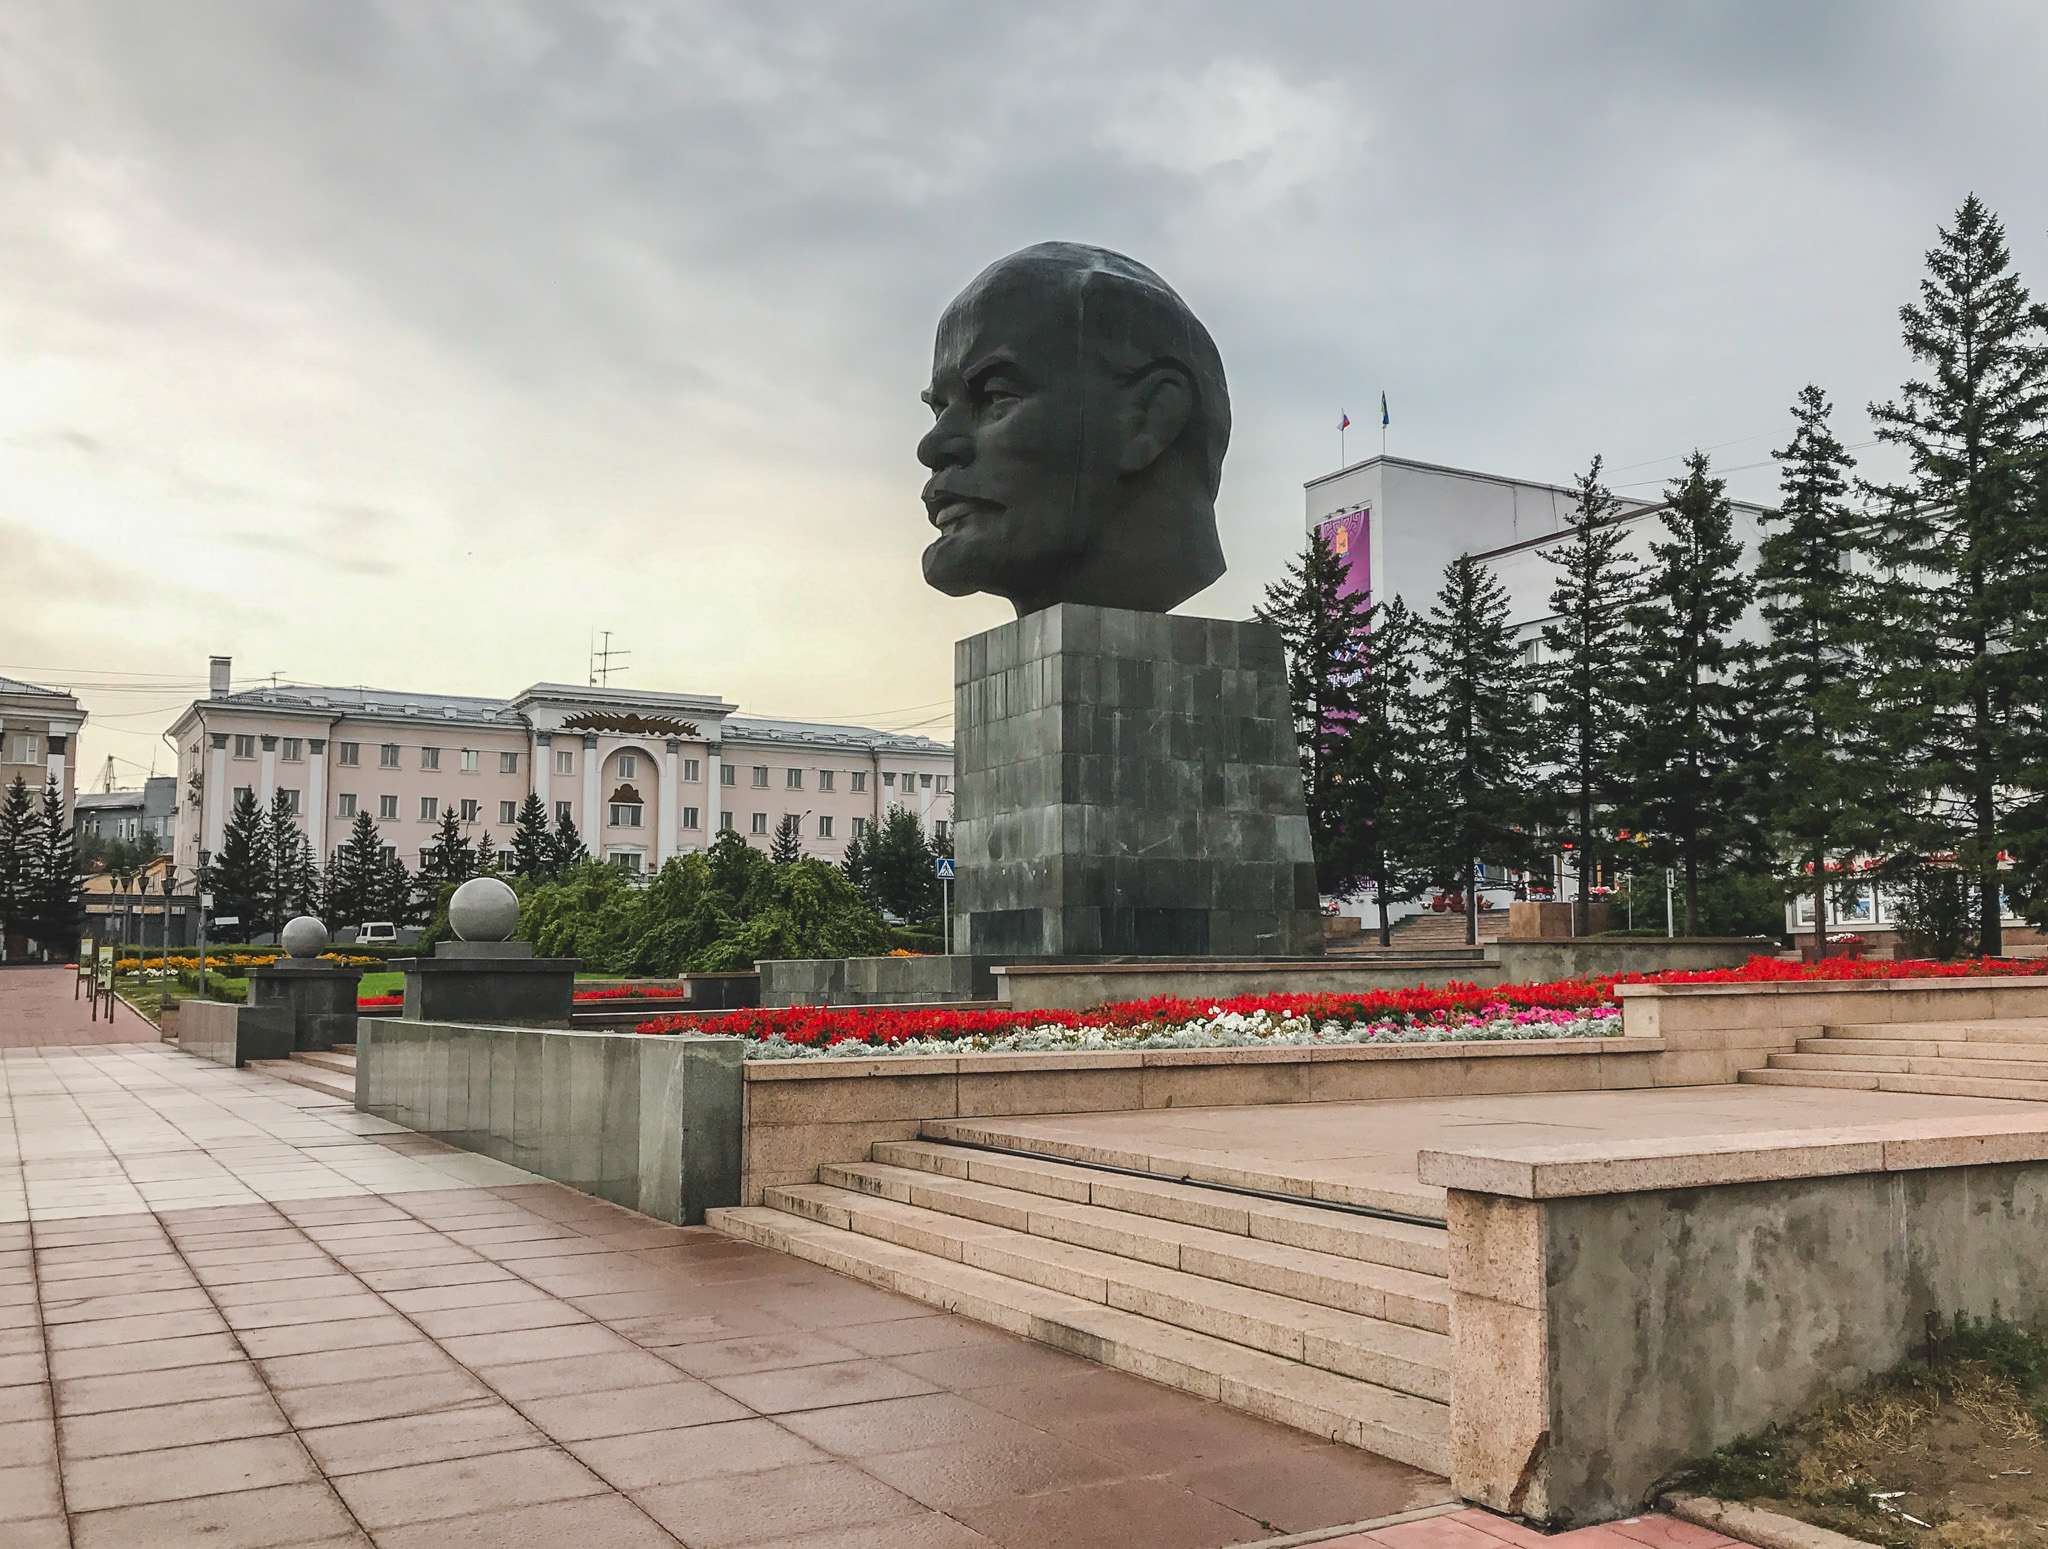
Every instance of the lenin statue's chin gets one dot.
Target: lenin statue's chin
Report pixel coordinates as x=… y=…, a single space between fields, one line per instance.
x=951 y=566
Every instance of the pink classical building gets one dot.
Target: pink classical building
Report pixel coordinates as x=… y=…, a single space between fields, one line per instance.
x=643 y=775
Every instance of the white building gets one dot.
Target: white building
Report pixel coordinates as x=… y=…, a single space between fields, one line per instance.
x=643 y=775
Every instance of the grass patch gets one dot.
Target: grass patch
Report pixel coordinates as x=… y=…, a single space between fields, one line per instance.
x=380 y=984
x=1950 y=1452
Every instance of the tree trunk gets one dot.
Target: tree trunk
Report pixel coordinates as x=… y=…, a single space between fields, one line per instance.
x=1379 y=893
x=1820 y=904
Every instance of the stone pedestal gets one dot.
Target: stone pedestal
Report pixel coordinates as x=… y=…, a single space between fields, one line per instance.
x=488 y=981
x=1128 y=785
x=318 y=996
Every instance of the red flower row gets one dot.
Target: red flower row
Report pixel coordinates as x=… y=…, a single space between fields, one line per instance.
x=824 y=1026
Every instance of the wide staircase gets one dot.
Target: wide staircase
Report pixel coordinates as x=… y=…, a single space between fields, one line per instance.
x=1954 y=1059
x=1329 y=1320
x=332 y=1071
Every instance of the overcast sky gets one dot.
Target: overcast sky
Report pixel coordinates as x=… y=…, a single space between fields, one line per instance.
x=408 y=344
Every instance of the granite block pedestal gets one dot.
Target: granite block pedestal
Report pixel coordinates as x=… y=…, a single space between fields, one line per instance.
x=318 y=996
x=488 y=981
x=1128 y=786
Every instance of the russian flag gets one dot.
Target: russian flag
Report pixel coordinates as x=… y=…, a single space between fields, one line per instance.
x=1345 y=422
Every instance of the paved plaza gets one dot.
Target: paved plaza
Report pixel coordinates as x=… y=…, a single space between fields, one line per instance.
x=235 y=1312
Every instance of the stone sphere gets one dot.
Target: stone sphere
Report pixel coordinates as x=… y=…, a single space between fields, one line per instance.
x=484 y=909
x=303 y=937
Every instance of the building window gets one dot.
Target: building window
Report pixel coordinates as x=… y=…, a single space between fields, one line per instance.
x=25 y=749
x=387 y=806
x=889 y=778
x=693 y=771
x=759 y=824
x=506 y=860
x=387 y=756
x=430 y=809
x=626 y=860
x=725 y=822
x=824 y=779
x=244 y=790
x=351 y=754
x=430 y=758
x=793 y=779
x=939 y=830
x=469 y=758
x=245 y=746
x=565 y=761
x=290 y=800
x=389 y=852
x=924 y=781
x=293 y=750
x=760 y=777
x=625 y=814
x=858 y=780
x=471 y=811
x=728 y=774
x=629 y=767
x=562 y=814
x=860 y=826
x=824 y=827
x=508 y=763
x=945 y=784
x=345 y=805
x=690 y=818
x=508 y=812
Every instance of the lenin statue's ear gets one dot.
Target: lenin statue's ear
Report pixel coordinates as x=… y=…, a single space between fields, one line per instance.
x=1156 y=405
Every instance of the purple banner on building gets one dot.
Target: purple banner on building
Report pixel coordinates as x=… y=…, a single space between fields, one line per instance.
x=1349 y=538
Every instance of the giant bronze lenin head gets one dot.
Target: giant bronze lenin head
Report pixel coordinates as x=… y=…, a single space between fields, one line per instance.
x=1081 y=421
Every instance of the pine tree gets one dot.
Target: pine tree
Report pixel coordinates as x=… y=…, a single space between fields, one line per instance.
x=1583 y=681
x=18 y=823
x=1815 y=795
x=787 y=847
x=396 y=898
x=1685 y=750
x=447 y=863
x=1480 y=733
x=483 y=855
x=1323 y=629
x=354 y=882
x=565 y=845
x=1382 y=779
x=530 y=851
x=901 y=879
x=54 y=903
x=294 y=869
x=1957 y=557
x=855 y=861
x=239 y=875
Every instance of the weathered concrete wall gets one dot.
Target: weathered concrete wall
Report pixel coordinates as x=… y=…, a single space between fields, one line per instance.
x=234 y=1035
x=650 y=1123
x=876 y=981
x=1678 y=1320
x=1523 y=962
x=1076 y=987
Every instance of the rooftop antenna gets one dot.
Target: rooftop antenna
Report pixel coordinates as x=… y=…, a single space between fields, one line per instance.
x=601 y=668
x=107 y=775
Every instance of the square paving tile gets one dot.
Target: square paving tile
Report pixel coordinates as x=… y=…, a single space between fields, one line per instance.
x=646 y=1459
x=820 y=1387
x=426 y=1492
x=180 y=1473
x=784 y=1503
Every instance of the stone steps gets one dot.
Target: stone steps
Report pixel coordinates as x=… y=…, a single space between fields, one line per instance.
x=1942 y=1086
x=2005 y=1058
x=1924 y=1049
x=1397 y=1244
x=1396 y=1424
x=1914 y=1065
x=2029 y=1030
x=316 y=1070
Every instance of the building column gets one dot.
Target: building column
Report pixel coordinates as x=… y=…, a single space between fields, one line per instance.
x=266 y=786
x=714 y=790
x=315 y=815
x=591 y=819
x=668 y=831
x=54 y=763
x=215 y=793
x=540 y=771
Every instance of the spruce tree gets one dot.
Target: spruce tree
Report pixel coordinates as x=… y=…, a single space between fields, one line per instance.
x=787 y=847
x=1583 y=681
x=855 y=861
x=396 y=898
x=1480 y=733
x=1685 y=751
x=483 y=855
x=54 y=905
x=1323 y=630
x=565 y=845
x=294 y=869
x=1817 y=794
x=239 y=875
x=1382 y=780
x=530 y=850
x=18 y=822
x=446 y=864
x=901 y=878
x=354 y=882
x=1957 y=557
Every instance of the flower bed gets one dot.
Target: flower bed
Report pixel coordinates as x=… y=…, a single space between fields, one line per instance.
x=238 y=963
x=1565 y=1008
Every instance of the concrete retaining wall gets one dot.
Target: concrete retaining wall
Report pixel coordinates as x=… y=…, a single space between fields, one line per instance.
x=1076 y=987
x=1619 y=1309
x=234 y=1035
x=649 y=1123
x=876 y=981
x=1537 y=962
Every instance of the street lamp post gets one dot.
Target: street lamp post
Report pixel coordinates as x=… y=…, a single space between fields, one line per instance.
x=205 y=902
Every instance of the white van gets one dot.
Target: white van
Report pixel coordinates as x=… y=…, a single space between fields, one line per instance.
x=382 y=931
